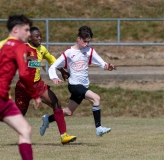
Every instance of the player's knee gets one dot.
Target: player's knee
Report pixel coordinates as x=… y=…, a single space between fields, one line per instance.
x=67 y=112
x=27 y=131
x=96 y=99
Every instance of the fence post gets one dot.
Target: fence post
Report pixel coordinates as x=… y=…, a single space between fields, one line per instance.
x=47 y=41
x=118 y=30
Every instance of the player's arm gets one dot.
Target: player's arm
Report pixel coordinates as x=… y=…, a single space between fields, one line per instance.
x=46 y=55
x=64 y=73
x=51 y=59
x=59 y=63
x=97 y=60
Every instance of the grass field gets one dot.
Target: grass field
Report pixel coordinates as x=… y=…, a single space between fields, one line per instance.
x=130 y=139
x=115 y=102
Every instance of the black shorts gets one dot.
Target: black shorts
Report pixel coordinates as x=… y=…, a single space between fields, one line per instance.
x=78 y=92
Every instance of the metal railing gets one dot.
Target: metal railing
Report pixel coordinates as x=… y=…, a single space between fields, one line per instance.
x=118 y=43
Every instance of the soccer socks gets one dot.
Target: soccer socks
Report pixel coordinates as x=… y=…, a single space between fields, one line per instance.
x=25 y=150
x=51 y=118
x=59 y=117
x=97 y=115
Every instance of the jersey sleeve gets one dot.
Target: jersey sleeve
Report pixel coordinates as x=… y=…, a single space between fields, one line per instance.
x=59 y=63
x=97 y=60
x=26 y=79
x=49 y=57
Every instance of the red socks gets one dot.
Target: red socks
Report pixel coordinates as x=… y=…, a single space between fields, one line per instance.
x=59 y=117
x=25 y=150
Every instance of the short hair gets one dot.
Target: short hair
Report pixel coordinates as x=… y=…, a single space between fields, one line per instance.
x=33 y=28
x=17 y=19
x=85 y=32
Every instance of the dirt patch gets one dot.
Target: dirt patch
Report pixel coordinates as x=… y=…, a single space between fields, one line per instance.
x=136 y=85
x=132 y=85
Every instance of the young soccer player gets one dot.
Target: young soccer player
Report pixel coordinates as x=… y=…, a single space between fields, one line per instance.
x=36 y=53
x=13 y=56
x=76 y=60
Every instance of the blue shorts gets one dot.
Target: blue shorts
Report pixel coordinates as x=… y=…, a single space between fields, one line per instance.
x=78 y=92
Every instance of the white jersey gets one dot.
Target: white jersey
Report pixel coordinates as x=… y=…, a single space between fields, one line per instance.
x=76 y=62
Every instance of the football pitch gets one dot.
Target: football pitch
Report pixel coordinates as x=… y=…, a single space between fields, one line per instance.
x=130 y=139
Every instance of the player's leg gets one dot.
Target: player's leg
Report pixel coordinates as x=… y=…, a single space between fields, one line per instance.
x=22 y=98
x=50 y=99
x=19 y=124
x=10 y=114
x=70 y=108
x=77 y=95
x=96 y=112
x=67 y=111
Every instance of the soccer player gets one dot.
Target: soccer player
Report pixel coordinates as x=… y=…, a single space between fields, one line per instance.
x=76 y=60
x=36 y=53
x=13 y=56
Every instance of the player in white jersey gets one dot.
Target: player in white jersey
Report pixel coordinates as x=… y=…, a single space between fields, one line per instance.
x=76 y=60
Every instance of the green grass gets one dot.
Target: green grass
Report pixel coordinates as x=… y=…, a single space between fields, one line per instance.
x=134 y=138
x=130 y=139
x=114 y=102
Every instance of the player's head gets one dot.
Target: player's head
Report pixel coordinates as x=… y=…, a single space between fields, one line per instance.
x=84 y=36
x=36 y=37
x=18 y=26
x=85 y=32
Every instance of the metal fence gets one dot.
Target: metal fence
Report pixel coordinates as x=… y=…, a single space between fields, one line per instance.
x=118 y=20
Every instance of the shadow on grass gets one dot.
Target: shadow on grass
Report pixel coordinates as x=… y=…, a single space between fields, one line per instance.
x=59 y=144
x=68 y=144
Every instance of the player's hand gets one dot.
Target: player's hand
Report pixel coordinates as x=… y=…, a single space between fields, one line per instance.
x=57 y=80
x=109 y=67
x=37 y=102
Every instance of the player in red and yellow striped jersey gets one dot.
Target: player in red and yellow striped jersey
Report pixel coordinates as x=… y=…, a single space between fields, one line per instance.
x=36 y=53
x=12 y=57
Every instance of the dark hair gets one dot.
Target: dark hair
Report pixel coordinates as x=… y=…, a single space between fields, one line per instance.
x=17 y=19
x=85 y=32
x=34 y=29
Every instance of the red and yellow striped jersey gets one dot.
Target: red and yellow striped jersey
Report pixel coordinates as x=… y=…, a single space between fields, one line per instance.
x=13 y=56
x=39 y=53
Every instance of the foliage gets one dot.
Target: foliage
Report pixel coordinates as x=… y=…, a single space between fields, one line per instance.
x=65 y=31
x=114 y=102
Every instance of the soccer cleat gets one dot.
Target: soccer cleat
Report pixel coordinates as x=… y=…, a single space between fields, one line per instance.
x=102 y=130
x=45 y=124
x=65 y=138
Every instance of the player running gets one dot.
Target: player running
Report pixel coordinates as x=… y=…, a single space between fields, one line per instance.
x=36 y=53
x=13 y=56
x=76 y=60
